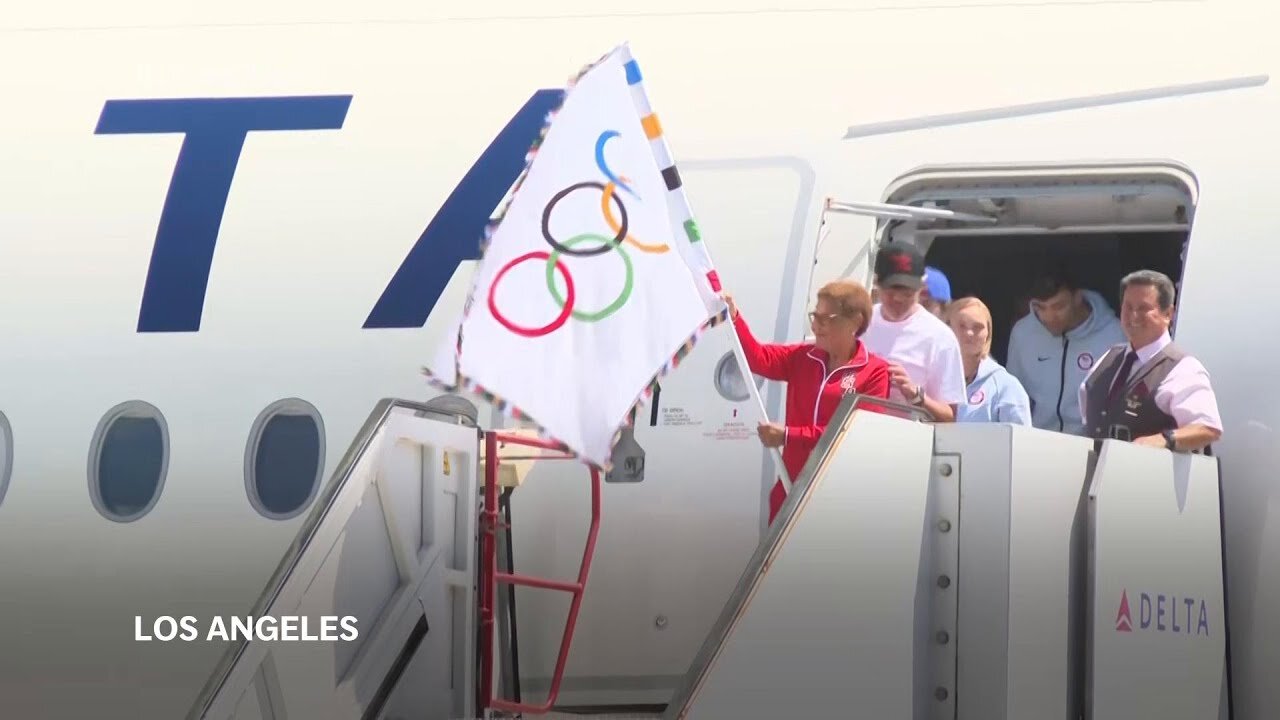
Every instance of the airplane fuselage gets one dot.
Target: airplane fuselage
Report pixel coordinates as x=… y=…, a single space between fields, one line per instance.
x=213 y=217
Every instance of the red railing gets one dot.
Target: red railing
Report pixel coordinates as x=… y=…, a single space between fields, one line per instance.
x=490 y=577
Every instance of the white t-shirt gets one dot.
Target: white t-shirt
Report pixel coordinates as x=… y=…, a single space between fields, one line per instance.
x=925 y=347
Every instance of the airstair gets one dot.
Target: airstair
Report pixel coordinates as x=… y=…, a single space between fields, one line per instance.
x=960 y=571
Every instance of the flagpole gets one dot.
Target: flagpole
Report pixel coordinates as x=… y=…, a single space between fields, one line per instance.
x=747 y=377
x=684 y=213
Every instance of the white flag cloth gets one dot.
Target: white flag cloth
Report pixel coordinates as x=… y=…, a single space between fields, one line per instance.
x=584 y=293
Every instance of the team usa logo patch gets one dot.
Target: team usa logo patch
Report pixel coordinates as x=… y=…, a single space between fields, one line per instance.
x=1084 y=361
x=977 y=397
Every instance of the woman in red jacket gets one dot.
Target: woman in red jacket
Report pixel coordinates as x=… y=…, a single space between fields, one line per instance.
x=817 y=374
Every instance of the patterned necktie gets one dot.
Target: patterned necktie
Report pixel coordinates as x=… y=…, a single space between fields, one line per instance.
x=1122 y=376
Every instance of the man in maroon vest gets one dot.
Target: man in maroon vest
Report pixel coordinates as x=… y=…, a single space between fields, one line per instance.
x=1149 y=390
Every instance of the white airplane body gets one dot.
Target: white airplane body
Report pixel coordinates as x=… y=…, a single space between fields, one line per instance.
x=210 y=212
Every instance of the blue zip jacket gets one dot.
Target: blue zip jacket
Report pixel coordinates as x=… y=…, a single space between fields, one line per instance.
x=1051 y=369
x=994 y=396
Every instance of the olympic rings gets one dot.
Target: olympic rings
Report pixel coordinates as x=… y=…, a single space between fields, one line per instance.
x=606 y=207
x=567 y=306
x=553 y=262
x=608 y=195
x=609 y=244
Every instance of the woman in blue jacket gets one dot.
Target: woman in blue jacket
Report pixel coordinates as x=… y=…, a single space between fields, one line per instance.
x=994 y=395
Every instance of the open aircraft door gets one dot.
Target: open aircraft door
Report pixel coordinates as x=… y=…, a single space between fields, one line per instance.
x=391 y=543
x=857 y=258
x=976 y=571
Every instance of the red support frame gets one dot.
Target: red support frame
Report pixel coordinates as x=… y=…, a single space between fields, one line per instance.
x=490 y=577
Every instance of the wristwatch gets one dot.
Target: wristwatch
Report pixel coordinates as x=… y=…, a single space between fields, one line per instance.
x=1169 y=442
x=919 y=396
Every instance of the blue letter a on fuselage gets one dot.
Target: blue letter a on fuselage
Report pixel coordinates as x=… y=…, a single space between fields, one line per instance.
x=454 y=234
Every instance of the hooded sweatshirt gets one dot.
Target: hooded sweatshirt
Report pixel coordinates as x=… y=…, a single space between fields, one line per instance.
x=994 y=396
x=1052 y=368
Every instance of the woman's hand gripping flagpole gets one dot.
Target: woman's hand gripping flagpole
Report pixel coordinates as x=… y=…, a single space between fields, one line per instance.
x=748 y=378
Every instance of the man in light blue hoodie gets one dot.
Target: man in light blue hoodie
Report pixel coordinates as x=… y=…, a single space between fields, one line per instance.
x=1052 y=349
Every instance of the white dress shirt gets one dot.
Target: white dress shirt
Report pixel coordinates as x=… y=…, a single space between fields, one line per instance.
x=1185 y=393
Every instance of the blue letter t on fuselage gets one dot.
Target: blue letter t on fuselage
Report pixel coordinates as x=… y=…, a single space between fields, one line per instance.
x=215 y=129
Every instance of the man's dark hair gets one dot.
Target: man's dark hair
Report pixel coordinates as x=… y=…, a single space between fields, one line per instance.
x=1052 y=281
x=1165 y=291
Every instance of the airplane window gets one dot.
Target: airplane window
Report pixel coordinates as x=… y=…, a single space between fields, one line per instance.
x=729 y=381
x=284 y=458
x=128 y=461
x=6 y=454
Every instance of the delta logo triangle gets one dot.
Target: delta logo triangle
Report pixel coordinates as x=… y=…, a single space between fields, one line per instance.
x=1124 y=623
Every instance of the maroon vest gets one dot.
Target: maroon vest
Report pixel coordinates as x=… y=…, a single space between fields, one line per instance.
x=1133 y=413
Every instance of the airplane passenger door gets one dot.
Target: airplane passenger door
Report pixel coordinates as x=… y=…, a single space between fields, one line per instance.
x=388 y=554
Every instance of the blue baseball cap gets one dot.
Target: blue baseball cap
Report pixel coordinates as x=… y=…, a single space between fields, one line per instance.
x=937 y=284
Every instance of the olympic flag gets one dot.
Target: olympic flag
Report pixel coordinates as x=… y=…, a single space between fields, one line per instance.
x=590 y=286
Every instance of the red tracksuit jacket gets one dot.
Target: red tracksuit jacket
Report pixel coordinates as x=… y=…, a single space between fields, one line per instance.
x=813 y=392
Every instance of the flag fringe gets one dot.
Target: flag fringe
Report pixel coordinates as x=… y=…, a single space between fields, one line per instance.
x=680 y=354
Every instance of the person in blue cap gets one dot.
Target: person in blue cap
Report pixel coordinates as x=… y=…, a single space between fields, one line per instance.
x=937 y=291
